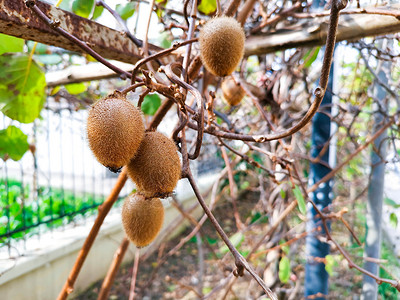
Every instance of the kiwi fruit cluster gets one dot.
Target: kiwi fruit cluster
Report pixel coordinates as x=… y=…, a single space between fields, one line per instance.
x=115 y=130
x=117 y=138
x=221 y=42
x=155 y=169
x=232 y=92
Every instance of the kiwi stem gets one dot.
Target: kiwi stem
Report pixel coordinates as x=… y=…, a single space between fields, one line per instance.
x=112 y=271
x=103 y=211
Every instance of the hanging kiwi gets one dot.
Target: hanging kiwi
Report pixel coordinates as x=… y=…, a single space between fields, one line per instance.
x=142 y=219
x=115 y=130
x=156 y=168
x=232 y=92
x=221 y=45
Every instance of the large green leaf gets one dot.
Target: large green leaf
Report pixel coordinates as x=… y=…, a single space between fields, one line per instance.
x=13 y=143
x=150 y=104
x=207 y=6
x=284 y=269
x=125 y=11
x=22 y=88
x=83 y=8
x=10 y=44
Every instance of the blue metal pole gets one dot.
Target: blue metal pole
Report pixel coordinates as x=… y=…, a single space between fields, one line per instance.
x=316 y=280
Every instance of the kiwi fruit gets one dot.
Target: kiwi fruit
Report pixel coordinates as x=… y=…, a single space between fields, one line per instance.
x=156 y=168
x=115 y=130
x=221 y=45
x=142 y=219
x=232 y=92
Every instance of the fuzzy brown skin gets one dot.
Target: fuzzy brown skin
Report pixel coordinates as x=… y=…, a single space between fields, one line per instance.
x=232 y=92
x=115 y=130
x=156 y=168
x=221 y=45
x=142 y=219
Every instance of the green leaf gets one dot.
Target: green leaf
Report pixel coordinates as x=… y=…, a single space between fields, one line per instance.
x=300 y=200
x=311 y=56
x=207 y=6
x=98 y=10
x=13 y=143
x=393 y=220
x=75 y=88
x=83 y=8
x=329 y=263
x=391 y=202
x=150 y=104
x=166 y=40
x=284 y=269
x=286 y=248
x=125 y=11
x=282 y=193
x=22 y=88
x=10 y=44
x=235 y=239
x=211 y=241
x=244 y=185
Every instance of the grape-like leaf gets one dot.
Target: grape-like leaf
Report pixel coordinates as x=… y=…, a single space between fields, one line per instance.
x=22 y=88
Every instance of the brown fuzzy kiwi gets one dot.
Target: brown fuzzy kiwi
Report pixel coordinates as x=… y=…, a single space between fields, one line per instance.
x=232 y=92
x=221 y=45
x=142 y=219
x=156 y=168
x=115 y=130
